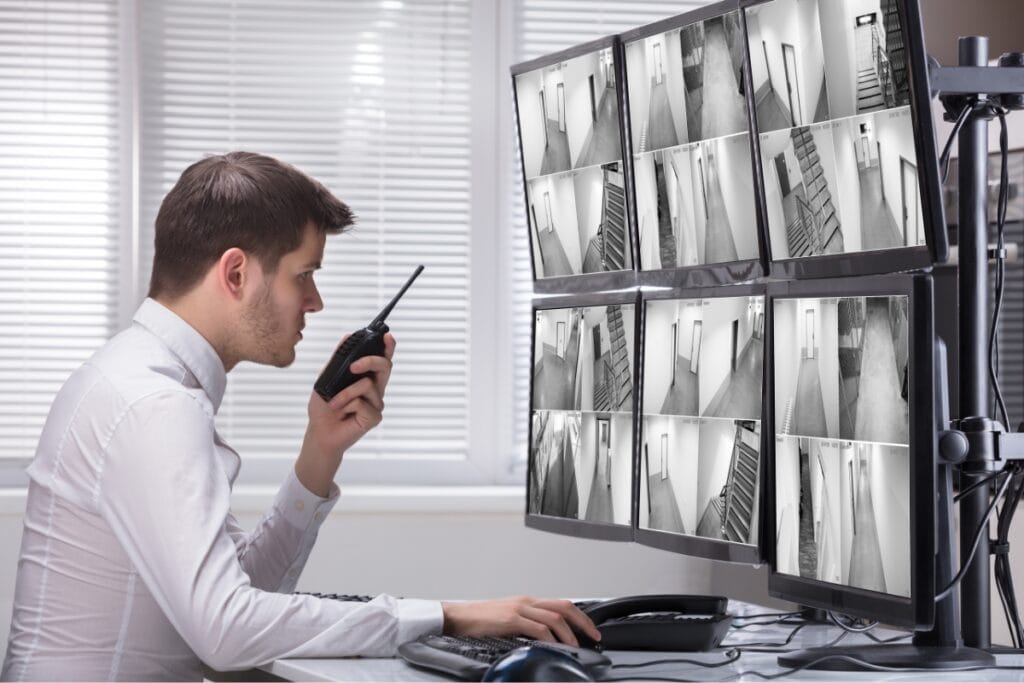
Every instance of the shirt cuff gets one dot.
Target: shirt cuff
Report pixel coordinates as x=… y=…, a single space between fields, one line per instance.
x=299 y=506
x=419 y=618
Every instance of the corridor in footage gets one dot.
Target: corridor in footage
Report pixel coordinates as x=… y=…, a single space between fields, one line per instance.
x=556 y=152
x=681 y=398
x=882 y=412
x=808 y=543
x=661 y=131
x=809 y=409
x=665 y=513
x=876 y=218
x=725 y=110
x=553 y=258
x=865 y=554
x=602 y=143
x=739 y=396
x=599 y=506
x=719 y=246
x=869 y=90
x=554 y=377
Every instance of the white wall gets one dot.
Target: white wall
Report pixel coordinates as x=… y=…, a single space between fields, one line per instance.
x=628 y=326
x=736 y=179
x=894 y=130
x=592 y=315
x=531 y=121
x=716 y=350
x=826 y=335
x=684 y=449
x=810 y=56
x=586 y=456
x=696 y=187
x=673 y=57
x=828 y=508
x=772 y=145
x=846 y=136
x=890 y=486
x=787 y=356
x=645 y=180
x=638 y=73
x=547 y=330
x=589 y=187
x=622 y=467
x=563 y=213
x=758 y=66
x=682 y=195
x=658 y=353
x=787 y=504
x=839 y=40
x=717 y=437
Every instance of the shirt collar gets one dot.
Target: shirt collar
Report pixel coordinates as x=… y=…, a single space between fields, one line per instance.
x=199 y=356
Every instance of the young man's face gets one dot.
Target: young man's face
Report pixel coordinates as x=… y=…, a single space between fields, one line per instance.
x=275 y=315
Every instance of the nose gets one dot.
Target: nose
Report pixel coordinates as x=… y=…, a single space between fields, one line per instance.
x=315 y=303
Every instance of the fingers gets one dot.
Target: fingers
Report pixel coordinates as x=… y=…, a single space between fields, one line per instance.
x=547 y=625
x=379 y=366
x=364 y=388
x=573 y=615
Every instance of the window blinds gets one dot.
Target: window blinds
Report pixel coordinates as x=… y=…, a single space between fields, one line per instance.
x=373 y=99
x=59 y=181
x=543 y=27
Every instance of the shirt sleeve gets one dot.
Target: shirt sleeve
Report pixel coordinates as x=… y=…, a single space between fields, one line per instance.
x=167 y=501
x=275 y=552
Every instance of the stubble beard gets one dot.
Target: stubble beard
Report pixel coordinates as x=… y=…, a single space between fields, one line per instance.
x=263 y=330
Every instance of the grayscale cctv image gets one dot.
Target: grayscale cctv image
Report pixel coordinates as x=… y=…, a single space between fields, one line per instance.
x=832 y=107
x=694 y=187
x=578 y=220
x=581 y=451
x=700 y=477
x=572 y=162
x=704 y=357
x=842 y=368
x=843 y=513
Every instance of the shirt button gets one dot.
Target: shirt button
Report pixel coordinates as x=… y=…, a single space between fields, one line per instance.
x=319 y=516
x=300 y=506
x=292 y=573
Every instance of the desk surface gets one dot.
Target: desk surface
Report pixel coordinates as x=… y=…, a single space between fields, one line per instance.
x=357 y=669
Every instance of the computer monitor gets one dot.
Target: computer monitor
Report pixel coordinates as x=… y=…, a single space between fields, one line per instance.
x=582 y=407
x=569 y=116
x=847 y=157
x=686 y=79
x=700 y=440
x=852 y=470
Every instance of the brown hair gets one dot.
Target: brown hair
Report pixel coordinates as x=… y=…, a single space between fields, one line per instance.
x=245 y=200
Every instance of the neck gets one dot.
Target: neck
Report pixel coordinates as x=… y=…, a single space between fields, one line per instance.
x=205 y=320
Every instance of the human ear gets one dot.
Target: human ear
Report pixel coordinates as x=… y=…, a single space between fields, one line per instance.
x=232 y=273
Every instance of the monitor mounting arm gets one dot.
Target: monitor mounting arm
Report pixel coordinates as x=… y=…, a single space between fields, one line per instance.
x=976 y=445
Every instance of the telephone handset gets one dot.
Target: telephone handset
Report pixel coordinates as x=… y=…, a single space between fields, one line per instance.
x=368 y=341
x=673 y=623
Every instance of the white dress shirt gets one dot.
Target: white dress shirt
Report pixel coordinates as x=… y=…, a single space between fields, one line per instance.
x=132 y=565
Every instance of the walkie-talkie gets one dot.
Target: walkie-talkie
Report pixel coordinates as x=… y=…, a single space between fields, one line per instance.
x=368 y=341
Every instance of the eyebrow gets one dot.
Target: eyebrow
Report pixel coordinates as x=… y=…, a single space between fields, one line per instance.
x=315 y=265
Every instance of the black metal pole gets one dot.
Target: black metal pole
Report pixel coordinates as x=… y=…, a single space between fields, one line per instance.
x=975 y=590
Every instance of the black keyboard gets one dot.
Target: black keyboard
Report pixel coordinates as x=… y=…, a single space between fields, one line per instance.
x=470 y=658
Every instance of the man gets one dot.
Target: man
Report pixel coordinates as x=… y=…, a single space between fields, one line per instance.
x=132 y=565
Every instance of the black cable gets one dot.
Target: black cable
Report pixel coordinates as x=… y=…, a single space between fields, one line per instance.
x=982 y=528
x=1000 y=266
x=1003 y=573
x=884 y=641
x=787 y=641
x=864 y=664
x=731 y=656
x=850 y=629
x=766 y=614
x=977 y=484
x=961 y=119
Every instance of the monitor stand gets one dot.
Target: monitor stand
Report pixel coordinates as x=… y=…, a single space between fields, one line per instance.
x=872 y=657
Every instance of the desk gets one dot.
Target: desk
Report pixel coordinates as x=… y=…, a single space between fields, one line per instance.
x=763 y=662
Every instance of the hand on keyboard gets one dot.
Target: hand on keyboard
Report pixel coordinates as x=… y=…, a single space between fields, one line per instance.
x=546 y=620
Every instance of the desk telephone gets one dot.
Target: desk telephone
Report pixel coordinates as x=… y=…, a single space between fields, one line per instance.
x=676 y=623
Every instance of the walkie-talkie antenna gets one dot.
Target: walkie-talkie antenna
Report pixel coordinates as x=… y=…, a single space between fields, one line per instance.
x=387 y=309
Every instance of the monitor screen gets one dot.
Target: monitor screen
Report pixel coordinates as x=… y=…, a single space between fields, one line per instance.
x=700 y=436
x=843 y=378
x=690 y=141
x=581 y=416
x=567 y=107
x=847 y=151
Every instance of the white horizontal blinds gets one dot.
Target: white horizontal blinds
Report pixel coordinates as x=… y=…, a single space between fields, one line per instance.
x=544 y=27
x=59 y=183
x=371 y=98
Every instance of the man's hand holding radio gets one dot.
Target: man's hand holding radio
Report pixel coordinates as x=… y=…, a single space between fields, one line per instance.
x=336 y=425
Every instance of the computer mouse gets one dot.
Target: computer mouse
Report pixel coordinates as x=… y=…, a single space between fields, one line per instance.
x=536 y=663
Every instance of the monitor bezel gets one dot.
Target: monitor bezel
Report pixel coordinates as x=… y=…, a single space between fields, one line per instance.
x=917 y=611
x=699 y=546
x=578 y=527
x=878 y=261
x=702 y=275
x=581 y=282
